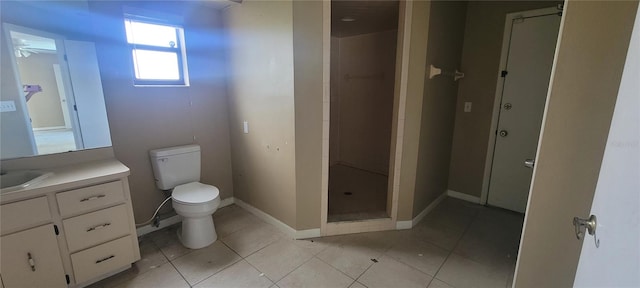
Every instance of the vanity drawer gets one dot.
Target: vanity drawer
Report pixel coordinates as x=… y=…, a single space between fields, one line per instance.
x=13 y=214
x=97 y=227
x=90 y=198
x=102 y=259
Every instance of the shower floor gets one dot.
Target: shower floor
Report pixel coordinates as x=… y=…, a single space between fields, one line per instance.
x=356 y=194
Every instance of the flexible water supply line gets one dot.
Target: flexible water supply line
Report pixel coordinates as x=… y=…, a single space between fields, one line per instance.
x=154 y=214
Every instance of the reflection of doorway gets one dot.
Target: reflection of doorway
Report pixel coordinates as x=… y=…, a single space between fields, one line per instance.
x=527 y=58
x=38 y=61
x=63 y=97
x=363 y=53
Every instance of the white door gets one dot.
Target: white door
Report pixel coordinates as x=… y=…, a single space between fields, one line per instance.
x=587 y=74
x=88 y=94
x=616 y=204
x=530 y=54
x=63 y=96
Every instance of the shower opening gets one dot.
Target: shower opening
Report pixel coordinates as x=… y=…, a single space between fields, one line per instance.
x=363 y=63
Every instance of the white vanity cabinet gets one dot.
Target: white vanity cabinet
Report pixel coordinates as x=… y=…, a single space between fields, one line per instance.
x=73 y=229
x=31 y=258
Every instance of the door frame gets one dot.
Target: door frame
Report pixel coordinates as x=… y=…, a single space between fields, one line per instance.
x=495 y=115
x=397 y=127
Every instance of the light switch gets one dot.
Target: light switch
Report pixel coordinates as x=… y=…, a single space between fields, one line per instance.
x=7 y=106
x=467 y=106
x=245 y=127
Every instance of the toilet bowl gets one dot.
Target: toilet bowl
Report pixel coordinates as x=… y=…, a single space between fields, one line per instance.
x=196 y=202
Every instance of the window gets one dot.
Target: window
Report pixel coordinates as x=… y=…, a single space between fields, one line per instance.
x=158 y=53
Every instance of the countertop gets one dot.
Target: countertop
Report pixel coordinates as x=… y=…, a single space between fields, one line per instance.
x=71 y=177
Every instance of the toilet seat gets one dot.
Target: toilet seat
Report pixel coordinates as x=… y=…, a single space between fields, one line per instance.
x=195 y=193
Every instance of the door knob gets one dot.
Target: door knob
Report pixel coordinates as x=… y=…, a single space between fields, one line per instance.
x=529 y=163
x=590 y=224
x=503 y=133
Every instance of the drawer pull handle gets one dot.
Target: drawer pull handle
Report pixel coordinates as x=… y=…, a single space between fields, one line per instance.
x=92 y=198
x=98 y=227
x=105 y=259
x=32 y=262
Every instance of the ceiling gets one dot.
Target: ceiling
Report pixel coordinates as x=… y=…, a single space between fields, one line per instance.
x=370 y=16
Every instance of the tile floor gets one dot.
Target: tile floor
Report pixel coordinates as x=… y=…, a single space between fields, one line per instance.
x=356 y=194
x=54 y=141
x=457 y=245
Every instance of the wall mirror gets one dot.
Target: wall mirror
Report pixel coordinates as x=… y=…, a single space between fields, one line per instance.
x=52 y=97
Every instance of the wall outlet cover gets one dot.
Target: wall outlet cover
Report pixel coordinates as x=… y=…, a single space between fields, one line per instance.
x=7 y=106
x=467 y=106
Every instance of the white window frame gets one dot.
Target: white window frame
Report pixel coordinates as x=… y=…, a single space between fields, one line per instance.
x=180 y=50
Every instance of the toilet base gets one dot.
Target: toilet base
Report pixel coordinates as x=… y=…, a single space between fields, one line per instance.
x=197 y=233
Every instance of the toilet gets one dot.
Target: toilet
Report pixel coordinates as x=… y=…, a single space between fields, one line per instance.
x=178 y=168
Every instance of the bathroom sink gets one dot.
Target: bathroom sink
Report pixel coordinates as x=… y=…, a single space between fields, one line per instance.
x=17 y=180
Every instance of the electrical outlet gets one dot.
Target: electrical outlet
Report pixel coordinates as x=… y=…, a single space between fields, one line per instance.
x=7 y=106
x=245 y=127
x=467 y=106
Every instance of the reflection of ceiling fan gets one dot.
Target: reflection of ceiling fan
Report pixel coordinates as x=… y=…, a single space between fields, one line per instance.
x=23 y=48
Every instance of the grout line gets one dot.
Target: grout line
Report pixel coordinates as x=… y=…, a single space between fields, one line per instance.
x=466 y=229
x=334 y=268
x=285 y=275
x=217 y=272
x=180 y=273
x=261 y=272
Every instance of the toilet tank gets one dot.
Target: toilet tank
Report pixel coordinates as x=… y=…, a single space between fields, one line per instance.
x=174 y=166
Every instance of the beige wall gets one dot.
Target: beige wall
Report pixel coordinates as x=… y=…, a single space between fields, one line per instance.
x=480 y=63
x=444 y=48
x=583 y=91
x=261 y=91
x=145 y=118
x=363 y=103
x=308 y=68
x=44 y=107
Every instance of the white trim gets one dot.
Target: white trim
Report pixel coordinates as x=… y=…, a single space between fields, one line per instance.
x=309 y=233
x=226 y=202
x=403 y=45
x=163 y=223
x=429 y=208
x=267 y=218
x=175 y=219
x=51 y=128
x=408 y=224
x=506 y=39
x=326 y=97
x=404 y=225
x=350 y=227
x=463 y=196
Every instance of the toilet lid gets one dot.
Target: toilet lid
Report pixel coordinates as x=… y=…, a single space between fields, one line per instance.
x=195 y=193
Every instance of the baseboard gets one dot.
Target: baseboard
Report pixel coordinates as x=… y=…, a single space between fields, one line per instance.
x=463 y=196
x=429 y=208
x=267 y=218
x=309 y=233
x=408 y=224
x=175 y=219
x=226 y=202
x=166 y=222
x=403 y=225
